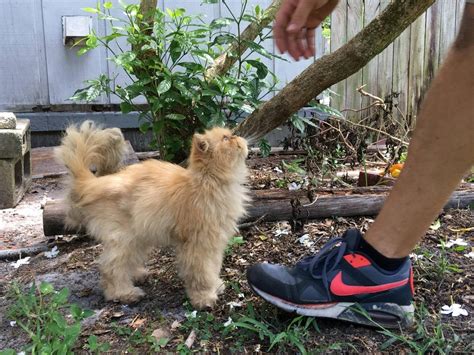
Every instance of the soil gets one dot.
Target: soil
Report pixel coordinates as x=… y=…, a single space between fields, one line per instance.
x=441 y=278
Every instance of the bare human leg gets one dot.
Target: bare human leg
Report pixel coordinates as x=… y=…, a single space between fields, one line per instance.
x=441 y=151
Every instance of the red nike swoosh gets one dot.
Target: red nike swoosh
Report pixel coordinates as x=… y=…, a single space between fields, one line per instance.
x=339 y=288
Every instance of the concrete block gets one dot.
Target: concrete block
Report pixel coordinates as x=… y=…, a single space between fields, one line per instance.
x=7 y=120
x=15 y=163
x=15 y=178
x=16 y=142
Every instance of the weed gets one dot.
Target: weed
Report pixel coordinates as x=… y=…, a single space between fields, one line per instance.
x=95 y=347
x=39 y=312
x=294 y=166
x=135 y=337
x=234 y=241
x=293 y=335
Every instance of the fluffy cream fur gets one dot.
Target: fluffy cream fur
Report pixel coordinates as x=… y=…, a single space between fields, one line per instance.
x=156 y=203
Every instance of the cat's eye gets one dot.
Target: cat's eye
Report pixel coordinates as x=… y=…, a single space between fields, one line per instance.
x=225 y=138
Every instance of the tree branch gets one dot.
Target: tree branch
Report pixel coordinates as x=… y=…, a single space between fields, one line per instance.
x=223 y=63
x=332 y=68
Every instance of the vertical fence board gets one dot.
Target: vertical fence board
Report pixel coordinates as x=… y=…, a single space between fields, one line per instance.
x=385 y=65
x=355 y=15
x=338 y=38
x=370 y=71
x=415 y=78
x=460 y=5
x=401 y=65
x=447 y=27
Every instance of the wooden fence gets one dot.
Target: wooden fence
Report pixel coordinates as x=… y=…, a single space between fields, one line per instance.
x=406 y=66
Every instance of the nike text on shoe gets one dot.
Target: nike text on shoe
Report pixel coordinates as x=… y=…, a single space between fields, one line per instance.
x=339 y=282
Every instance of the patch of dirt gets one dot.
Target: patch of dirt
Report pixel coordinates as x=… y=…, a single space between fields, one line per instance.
x=441 y=277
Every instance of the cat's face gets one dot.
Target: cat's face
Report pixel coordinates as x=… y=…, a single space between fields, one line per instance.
x=219 y=146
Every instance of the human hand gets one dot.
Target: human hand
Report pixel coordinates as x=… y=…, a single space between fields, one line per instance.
x=295 y=23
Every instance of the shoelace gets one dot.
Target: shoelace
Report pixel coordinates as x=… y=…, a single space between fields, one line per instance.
x=328 y=253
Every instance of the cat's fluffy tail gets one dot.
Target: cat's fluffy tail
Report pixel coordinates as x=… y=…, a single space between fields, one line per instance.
x=89 y=146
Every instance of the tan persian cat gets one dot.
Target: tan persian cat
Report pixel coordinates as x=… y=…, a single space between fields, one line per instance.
x=155 y=203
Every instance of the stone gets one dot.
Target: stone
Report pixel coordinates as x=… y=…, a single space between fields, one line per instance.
x=15 y=163
x=7 y=120
x=15 y=142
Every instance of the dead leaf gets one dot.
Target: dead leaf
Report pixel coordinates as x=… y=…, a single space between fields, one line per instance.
x=160 y=333
x=117 y=314
x=175 y=325
x=190 y=340
x=138 y=322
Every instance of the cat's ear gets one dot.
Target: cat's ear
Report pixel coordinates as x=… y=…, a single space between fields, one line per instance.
x=200 y=143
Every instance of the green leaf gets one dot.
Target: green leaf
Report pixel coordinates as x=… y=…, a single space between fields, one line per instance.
x=107 y=5
x=145 y=127
x=61 y=296
x=175 y=117
x=164 y=86
x=91 y=10
x=46 y=288
x=324 y=111
x=126 y=107
x=262 y=69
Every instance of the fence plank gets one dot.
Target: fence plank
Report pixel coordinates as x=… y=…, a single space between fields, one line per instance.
x=401 y=61
x=370 y=71
x=447 y=27
x=415 y=73
x=355 y=16
x=460 y=5
x=338 y=38
x=385 y=65
x=432 y=32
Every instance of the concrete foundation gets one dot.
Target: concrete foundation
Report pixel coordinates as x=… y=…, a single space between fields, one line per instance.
x=15 y=163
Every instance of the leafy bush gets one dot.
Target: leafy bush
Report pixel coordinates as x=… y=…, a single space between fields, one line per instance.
x=165 y=60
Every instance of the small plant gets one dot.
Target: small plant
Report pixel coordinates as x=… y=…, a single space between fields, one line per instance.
x=292 y=336
x=43 y=313
x=166 y=59
x=427 y=337
x=95 y=347
x=234 y=241
x=294 y=166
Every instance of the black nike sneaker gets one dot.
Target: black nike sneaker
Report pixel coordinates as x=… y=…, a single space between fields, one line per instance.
x=339 y=282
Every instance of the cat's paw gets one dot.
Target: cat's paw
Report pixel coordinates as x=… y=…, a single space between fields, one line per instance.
x=141 y=275
x=220 y=287
x=126 y=295
x=203 y=299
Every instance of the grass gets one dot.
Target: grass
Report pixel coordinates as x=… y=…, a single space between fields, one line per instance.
x=50 y=322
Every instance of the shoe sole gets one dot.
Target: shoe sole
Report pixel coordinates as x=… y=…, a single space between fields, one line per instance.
x=387 y=315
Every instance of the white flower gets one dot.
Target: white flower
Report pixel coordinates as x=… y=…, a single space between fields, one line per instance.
x=53 y=253
x=12 y=323
x=455 y=310
x=470 y=255
x=452 y=242
x=233 y=304
x=277 y=169
x=304 y=239
x=280 y=232
x=21 y=353
x=241 y=295
x=229 y=322
x=416 y=257
x=294 y=186
x=20 y=262
x=191 y=315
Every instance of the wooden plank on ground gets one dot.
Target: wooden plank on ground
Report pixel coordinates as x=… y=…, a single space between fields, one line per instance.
x=44 y=164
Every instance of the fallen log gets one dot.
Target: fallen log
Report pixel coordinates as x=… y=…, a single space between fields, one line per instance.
x=276 y=205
